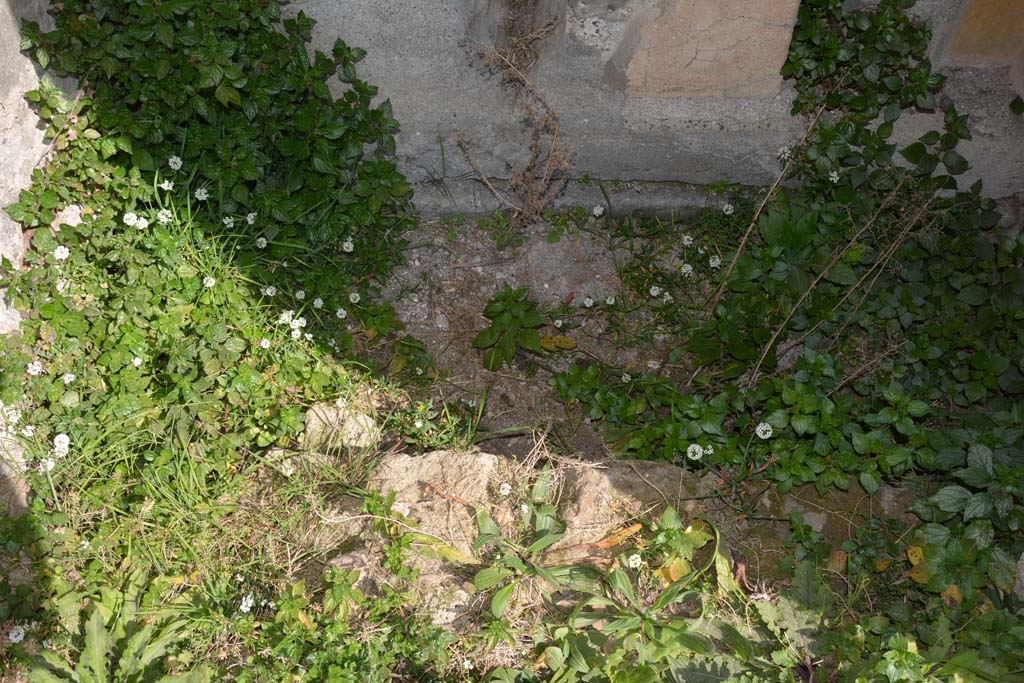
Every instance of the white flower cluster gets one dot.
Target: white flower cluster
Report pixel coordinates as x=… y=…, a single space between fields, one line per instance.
x=634 y=561
x=248 y=601
x=167 y=185
x=784 y=153
x=728 y=209
x=61 y=253
x=347 y=246
x=174 y=162
x=686 y=270
x=763 y=430
x=505 y=489
x=34 y=369
x=16 y=634
x=715 y=262
x=163 y=216
x=202 y=194
x=250 y=218
x=133 y=220
x=261 y=242
x=597 y=211
x=209 y=282
x=9 y=419
x=610 y=301
x=269 y=290
x=228 y=221
x=833 y=177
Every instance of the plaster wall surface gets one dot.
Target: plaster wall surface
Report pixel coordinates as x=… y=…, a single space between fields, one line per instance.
x=21 y=138
x=662 y=95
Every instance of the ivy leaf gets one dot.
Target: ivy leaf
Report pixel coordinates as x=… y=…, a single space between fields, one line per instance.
x=975 y=295
x=954 y=163
x=951 y=498
x=1017 y=105
x=870 y=481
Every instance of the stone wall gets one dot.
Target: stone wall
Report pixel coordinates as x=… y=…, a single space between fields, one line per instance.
x=660 y=95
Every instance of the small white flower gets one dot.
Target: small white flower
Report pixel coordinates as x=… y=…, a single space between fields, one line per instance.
x=84 y=544
x=174 y=162
x=17 y=634
x=286 y=317
x=627 y=378
x=68 y=378
x=261 y=242
x=784 y=153
x=34 y=369
x=333 y=343
x=318 y=303
x=686 y=270
x=308 y=336
x=833 y=176
x=46 y=465
x=634 y=561
x=354 y=297
x=167 y=185
x=709 y=450
x=667 y=298
x=250 y=218
x=209 y=282
x=715 y=262
x=694 y=452
x=298 y=323
x=687 y=241
x=403 y=509
x=202 y=194
x=247 y=603
x=505 y=489
x=228 y=221
x=300 y=295
x=588 y=303
x=264 y=343
x=764 y=430
x=164 y=216
x=559 y=323
x=61 y=445
x=419 y=372
x=597 y=211
x=727 y=209
x=418 y=424
x=347 y=246
x=655 y=291
x=270 y=290
x=141 y=223
x=28 y=431
x=525 y=510
x=467 y=665
x=61 y=253
x=701 y=250
x=130 y=219
x=296 y=333
x=610 y=301
x=136 y=361
x=62 y=284
x=341 y=314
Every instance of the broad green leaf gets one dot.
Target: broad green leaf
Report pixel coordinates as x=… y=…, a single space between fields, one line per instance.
x=490 y=577
x=500 y=600
x=96 y=649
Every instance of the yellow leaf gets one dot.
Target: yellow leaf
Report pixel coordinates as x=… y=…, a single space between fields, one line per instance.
x=558 y=342
x=882 y=563
x=836 y=561
x=674 y=570
x=952 y=596
x=919 y=574
x=915 y=554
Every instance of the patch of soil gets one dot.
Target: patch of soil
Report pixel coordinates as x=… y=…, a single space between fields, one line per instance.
x=440 y=293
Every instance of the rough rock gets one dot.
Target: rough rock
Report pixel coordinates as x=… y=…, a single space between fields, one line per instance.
x=438 y=494
x=331 y=427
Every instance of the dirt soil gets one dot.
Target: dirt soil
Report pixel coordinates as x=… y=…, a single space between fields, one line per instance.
x=452 y=272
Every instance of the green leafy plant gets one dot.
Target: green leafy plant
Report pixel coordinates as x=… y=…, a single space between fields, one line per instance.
x=117 y=641
x=514 y=322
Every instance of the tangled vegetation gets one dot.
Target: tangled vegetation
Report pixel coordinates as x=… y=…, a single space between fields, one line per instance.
x=236 y=224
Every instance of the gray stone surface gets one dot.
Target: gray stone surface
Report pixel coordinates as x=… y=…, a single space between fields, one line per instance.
x=426 y=57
